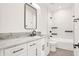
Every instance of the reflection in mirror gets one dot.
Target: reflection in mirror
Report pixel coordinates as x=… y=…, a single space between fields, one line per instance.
x=30 y=16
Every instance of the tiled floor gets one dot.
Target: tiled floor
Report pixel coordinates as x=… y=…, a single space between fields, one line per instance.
x=61 y=52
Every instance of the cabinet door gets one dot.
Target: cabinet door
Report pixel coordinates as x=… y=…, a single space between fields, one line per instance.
x=46 y=46
x=41 y=47
x=32 y=50
x=1 y=52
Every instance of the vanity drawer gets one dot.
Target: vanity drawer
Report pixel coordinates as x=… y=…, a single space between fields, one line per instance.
x=17 y=50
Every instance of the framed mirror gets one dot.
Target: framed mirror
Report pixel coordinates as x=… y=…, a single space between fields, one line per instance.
x=30 y=16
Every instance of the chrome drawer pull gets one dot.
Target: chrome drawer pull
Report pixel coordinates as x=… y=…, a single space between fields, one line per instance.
x=17 y=50
x=43 y=46
x=32 y=44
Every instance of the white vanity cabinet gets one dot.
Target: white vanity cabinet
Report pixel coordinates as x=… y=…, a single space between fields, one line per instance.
x=20 y=50
x=37 y=47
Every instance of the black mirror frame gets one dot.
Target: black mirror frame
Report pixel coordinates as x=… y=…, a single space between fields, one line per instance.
x=25 y=17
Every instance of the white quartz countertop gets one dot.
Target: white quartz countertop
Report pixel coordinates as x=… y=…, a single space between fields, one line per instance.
x=11 y=42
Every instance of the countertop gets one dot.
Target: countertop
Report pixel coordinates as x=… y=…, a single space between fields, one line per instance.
x=6 y=43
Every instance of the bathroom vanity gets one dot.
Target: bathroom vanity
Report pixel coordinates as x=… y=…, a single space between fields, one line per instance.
x=24 y=46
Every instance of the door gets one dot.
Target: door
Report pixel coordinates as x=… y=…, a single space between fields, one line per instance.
x=76 y=30
x=32 y=50
x=46 y=46
x=42 y=47
x=39 y=48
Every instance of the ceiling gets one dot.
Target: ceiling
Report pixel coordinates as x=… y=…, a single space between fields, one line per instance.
x=57 y=6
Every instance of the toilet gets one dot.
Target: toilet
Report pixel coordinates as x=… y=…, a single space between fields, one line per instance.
x=52 y=45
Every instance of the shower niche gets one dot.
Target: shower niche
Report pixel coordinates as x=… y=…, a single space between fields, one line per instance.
x=53 y=31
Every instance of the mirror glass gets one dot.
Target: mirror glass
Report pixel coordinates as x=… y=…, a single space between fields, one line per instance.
x=30 y=16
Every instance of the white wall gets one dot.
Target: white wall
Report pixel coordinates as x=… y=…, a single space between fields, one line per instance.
x=63 y=19
x=50 y=21
x=11 y=17
x=42 y=21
